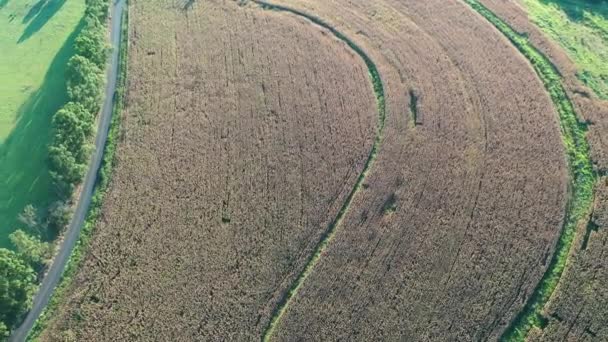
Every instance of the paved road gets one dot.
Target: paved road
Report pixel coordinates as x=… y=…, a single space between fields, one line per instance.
x=71 y=236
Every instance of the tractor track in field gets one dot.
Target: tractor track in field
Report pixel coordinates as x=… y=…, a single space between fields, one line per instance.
x=329 y=234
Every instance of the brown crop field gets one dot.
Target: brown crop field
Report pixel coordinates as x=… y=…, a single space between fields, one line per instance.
x=478 y=187
x=578 y=310
x=590 y=108
x=340 y=170
x=244 y=133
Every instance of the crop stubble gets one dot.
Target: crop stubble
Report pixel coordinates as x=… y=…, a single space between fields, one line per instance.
x=446 y=239
x=578 y=308
x=461 y=211
x=245 y=130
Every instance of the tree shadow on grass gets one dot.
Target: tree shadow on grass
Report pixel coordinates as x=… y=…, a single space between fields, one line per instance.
x=34 y=10
x=575 y=9
x=3 y=3
x=42 y=16
x=24 y=176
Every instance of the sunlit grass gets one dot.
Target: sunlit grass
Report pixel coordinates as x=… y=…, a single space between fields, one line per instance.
x=581 y=28
x=35 y=44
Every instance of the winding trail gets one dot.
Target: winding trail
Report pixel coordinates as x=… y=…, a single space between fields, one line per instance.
x=329 y=234
x=72 y=234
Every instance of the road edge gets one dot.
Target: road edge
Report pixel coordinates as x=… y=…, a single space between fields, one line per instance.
x=87 y=210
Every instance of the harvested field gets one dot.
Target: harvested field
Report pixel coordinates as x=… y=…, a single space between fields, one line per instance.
x=577 y=310
x=589 y=107
x=444 y=229
x=245 y=132
x=213 y=214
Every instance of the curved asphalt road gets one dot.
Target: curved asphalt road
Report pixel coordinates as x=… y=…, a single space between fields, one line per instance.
x=71 y=236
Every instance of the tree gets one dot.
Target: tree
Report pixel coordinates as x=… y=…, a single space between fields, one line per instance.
x=4 y=332
x=97 y=9
x=30 y=248
x=91 y=42
x=16 y=286
x=29 y=217
x=73 y=124
x=84 y=81
x=65 y=170
x=59 y=216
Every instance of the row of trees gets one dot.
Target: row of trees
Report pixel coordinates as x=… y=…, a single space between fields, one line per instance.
x=19 y=269
x=69 y=151
x=73 y=125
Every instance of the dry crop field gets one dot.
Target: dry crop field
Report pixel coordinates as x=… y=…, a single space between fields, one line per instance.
x=235 y=211
x=244 y=132
x=479 y=185
x=579 y=308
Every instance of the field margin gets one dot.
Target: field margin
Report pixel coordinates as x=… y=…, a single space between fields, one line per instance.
x=582 y=177
x=103 y=180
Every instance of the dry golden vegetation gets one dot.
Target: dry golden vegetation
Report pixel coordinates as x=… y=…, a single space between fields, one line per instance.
x=247 y=130
x=579 y=307
x=479 y=185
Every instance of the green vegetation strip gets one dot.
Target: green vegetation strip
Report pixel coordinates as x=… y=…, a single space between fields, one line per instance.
x=329 y=234
x=582 y=178
x=581 y=28
x=103 y=181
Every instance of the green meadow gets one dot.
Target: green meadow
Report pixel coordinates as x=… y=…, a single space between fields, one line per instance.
x=36 y=38
x=581 y=28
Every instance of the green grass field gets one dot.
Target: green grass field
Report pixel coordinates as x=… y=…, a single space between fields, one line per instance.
x=36 y=39
x=581 y=28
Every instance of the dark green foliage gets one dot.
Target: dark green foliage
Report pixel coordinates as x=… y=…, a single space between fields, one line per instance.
x=66 y=172
x=91 y=43
x=58 y=216
x=97 y=9
x=29 y=248
x=68 y=153
x=16 y=287
x=73 y=125
x=4 y=332
x=85 y=80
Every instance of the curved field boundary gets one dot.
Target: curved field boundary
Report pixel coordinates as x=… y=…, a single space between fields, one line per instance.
x=329 y=234
x=582 y=178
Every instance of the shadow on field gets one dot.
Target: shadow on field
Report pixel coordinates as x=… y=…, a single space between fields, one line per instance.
x=575 y=9
x=38 y=16
x=24 y=177
x=3 y=3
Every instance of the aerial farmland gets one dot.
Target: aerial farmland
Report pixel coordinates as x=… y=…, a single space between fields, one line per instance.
x=319 y=170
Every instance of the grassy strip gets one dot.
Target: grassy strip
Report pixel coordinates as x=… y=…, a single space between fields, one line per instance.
x=101 y=187
x=581 y=28
x=582 y=177
x=329 y=234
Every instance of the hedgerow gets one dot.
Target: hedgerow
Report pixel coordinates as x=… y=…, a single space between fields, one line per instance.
x=103 y=181
x=69 y=153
